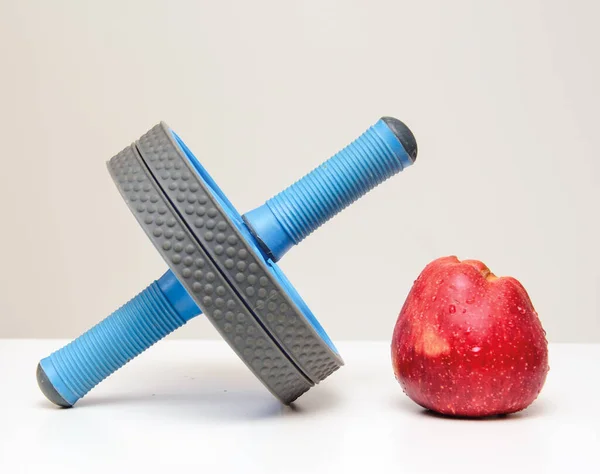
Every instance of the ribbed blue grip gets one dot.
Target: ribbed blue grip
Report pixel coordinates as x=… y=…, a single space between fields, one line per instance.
x=290 y=216
x=76 y=368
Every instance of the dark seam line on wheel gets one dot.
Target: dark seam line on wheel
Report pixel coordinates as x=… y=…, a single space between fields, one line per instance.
x=217 y=267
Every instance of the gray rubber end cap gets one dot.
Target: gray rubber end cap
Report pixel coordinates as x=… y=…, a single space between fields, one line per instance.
x=48 y=389
x=404 y=135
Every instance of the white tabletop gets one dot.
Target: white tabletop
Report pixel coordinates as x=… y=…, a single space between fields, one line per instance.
x=193 y=404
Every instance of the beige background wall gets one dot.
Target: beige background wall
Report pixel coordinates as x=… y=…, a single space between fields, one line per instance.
x=502 y=97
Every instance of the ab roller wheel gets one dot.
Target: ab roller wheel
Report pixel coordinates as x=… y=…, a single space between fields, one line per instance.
x=222 y=264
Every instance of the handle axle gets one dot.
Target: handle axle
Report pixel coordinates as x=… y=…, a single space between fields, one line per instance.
x=282 y=222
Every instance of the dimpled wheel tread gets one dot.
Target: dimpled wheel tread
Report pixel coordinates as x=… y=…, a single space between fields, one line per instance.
x=234 y=256
x=203 y=281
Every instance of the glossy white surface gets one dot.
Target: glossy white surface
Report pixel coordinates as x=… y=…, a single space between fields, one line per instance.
x=192 y=404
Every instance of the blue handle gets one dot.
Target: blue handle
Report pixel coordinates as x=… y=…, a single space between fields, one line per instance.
x=283 y=221
x=69 y=373
x=287 y=218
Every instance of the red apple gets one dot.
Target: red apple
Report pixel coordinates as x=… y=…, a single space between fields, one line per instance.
x=468 y=343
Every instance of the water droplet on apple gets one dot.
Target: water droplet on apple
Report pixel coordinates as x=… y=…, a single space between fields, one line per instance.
x=452 y=309
x=521 y=310
x=464 y=311
x=468 y=330
x=470 y=300
x=476 y=349
x=433 y=298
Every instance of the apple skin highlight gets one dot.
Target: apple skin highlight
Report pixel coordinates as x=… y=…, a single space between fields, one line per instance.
x=468 y=343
